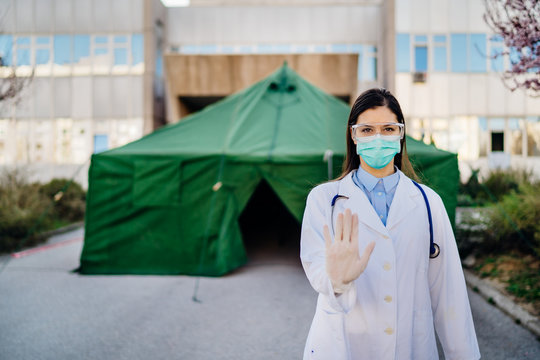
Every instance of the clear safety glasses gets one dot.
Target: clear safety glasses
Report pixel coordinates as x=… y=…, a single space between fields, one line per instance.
x=389 y=131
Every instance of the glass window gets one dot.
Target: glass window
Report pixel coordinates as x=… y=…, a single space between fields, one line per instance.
x=483 y=137
x=439 y=58
x=420 y=58
x=62 y=49
x=533 y=136
x=496 y=124
x=370 y=58
x=458 y=56
x=477 y=53
x=6 y=44
x=42 y=56
x=23 y=41
x=420 y=38
x=101 y=143
x=122 y=39
x=339 y=48
x=43 y=40
x=439 y=53
x=514 y=57
x=81 y=48
x=403 y=53
x=23 y=56
x=497 y=63
x=101 y=40
x=137 y=54
x=516 y=136
x=120 y=57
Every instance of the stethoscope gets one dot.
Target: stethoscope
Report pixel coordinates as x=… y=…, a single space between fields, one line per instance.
x=434 y=249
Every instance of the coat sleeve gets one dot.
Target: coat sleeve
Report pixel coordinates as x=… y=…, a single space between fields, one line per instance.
x=313 y=253
x=449 y=300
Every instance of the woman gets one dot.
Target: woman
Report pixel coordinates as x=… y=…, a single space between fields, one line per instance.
x=385 y=303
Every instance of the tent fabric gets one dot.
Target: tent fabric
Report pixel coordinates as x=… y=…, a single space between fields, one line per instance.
x=169 y=202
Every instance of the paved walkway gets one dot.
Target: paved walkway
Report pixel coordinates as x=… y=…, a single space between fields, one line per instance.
x=261 y=311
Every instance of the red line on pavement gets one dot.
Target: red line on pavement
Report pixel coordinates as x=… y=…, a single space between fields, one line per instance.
x=44 y=247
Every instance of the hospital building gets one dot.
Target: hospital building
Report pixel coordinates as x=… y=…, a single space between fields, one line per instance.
x=105 y=73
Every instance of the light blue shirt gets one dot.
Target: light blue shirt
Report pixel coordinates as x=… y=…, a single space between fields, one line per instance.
x=380 y=192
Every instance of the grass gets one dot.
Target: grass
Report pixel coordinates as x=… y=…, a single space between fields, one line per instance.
x=518 y=273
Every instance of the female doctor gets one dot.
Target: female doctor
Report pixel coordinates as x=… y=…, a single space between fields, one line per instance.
x=365 y=248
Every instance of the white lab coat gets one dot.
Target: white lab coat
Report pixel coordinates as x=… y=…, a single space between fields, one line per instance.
x=390 y=311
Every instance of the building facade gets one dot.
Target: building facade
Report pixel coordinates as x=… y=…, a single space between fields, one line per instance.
x=108 y=72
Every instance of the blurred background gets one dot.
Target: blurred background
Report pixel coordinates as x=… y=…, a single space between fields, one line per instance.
x=97 y=74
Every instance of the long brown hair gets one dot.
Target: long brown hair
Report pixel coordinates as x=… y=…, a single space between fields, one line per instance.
x=370 y=99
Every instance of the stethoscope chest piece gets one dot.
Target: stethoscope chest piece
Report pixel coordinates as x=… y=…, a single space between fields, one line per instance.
x=435 y=251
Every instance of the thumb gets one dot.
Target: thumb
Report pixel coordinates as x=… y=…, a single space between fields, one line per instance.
x=367 y=252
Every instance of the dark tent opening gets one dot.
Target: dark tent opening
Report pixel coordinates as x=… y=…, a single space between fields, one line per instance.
x=192 y=104
x=270 y=233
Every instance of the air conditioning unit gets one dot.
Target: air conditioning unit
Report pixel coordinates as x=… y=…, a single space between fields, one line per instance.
x=419 y=77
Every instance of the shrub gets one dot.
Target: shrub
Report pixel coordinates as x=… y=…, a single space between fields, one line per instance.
x=26 y=209
x=21 y=206
x=70 y=198
x=514 y=222
x=493 y=187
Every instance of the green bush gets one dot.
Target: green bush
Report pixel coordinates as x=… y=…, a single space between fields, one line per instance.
x=514 y=221
x=21 y=206
x=70 y=203
x=28 y=209
x=493 y=187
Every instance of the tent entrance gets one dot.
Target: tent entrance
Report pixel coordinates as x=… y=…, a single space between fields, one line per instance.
x=270 y=233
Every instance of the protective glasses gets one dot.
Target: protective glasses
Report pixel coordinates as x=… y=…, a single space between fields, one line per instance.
x=388 y=131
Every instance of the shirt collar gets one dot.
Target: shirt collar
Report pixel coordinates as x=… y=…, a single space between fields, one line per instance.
x=369 y=181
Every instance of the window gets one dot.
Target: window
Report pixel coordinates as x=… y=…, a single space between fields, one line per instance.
x=81 y=49
x=6 y=44
x=23 y=51
x=516 y=136
x=533 y=136
x=477 y=53
x=43 y=50
x=497 y=63
x=420 y=58
x=370 y=63
x=459 y=52
x=102 y=58
x=62 y=49
x=137 y=54
x=497 y=141
x=403 y=63
x=120 y=50
x=101 y=143
x=439 y=53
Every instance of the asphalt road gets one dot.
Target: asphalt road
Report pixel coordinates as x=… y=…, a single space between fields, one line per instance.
x=261 y=311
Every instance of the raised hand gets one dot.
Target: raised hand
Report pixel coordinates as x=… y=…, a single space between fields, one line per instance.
x=343 y=262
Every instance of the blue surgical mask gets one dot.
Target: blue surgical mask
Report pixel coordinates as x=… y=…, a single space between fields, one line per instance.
x=378 y=152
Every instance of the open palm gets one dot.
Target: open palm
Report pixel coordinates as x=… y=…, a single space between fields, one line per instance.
x=343 y=261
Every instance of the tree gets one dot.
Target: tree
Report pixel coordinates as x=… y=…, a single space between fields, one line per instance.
x=517 y=22
x=11 y=85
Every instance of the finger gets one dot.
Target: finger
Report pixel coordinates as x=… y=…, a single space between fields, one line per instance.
x=339 y=228
x=347 y=223
x=327 y=236
x=367 y=253
x=354 y=231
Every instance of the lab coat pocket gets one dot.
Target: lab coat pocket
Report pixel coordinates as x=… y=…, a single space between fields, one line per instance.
x=325 y=339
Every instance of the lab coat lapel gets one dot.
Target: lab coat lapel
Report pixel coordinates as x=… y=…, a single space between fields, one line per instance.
x=359 y=203
x=403 y=202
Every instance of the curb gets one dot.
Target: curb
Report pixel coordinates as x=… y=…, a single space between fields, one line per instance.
x=73 y=226
x=503 y=302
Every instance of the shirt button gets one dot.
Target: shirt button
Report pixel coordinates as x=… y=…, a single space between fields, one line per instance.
x=381 y=216
x=379 y=193
x=389 y=331
x=387 y=266
x=388 y=298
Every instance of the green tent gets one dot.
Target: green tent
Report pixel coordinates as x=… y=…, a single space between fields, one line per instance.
x=169 y=202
